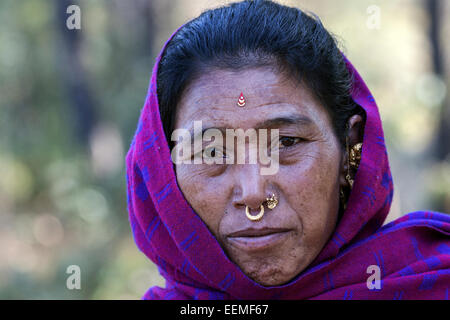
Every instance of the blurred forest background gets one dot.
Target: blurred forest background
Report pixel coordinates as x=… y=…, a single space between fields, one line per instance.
x=70 y=102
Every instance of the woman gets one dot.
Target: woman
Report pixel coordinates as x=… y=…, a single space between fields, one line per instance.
x=312 y=228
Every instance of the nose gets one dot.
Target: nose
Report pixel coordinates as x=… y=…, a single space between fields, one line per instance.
x=250 y=186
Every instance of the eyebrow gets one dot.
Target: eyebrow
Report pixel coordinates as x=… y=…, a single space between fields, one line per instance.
x=294 y=119
x=289 y=119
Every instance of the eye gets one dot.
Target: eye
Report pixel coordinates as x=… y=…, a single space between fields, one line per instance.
x=213 y=152
x=289 y=141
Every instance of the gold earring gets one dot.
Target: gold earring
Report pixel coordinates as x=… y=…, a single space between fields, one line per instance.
x=355 y=155
x=353 y=159
x=272 y=202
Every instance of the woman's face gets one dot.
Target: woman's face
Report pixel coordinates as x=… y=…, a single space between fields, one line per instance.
x=286 y=240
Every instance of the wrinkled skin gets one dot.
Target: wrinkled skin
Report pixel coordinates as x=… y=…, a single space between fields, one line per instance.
x=311 y=170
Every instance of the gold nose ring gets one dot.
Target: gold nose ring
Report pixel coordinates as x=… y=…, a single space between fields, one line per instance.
x=272 y=202
x=254 y=218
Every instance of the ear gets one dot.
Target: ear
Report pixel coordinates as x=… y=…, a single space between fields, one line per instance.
x=355 y=135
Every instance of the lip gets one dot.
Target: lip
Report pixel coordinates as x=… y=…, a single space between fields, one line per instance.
x=257 y=239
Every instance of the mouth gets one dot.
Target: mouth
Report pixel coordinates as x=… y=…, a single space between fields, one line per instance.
x=258 y=239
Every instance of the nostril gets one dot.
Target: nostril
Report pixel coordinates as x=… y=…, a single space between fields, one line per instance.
x=239 y=204
x=253 y=203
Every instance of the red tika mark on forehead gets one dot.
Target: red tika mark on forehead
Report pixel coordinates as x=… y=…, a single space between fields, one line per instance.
x=241 y=101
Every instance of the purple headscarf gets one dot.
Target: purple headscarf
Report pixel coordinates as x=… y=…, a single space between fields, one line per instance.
x=412 y=253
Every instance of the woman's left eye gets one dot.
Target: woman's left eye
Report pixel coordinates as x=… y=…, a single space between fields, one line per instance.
x=212 y=152
x=289 y=141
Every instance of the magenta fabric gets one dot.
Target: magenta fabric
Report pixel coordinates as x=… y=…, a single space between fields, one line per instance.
x=413 y=252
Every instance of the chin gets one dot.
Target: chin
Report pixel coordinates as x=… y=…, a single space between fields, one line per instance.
x=270 y=278
x=270 y=273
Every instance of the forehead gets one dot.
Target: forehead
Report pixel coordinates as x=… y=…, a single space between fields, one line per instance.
x=212 y=98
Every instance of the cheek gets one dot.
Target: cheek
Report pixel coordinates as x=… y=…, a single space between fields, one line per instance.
x=311 y=187
x=204 y=194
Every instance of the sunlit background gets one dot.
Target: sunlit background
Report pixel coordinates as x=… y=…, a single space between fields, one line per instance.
x=70 y=102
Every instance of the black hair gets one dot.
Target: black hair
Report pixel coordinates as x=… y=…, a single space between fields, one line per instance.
x=256 y=33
